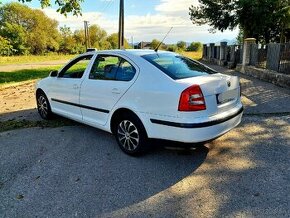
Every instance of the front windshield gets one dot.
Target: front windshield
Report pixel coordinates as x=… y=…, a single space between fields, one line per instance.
x=177 y=67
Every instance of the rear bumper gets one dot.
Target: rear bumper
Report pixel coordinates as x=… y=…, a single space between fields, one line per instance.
x=197 y=125
x=194 y=132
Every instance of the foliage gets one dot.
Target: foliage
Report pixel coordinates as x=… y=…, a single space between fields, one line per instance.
x=28 y=30
x=5 y=47
x=113 y=40
x=68 y=43
x=154 y=43
x=74 y=43
x=262 y=20
x=97 y=37
x=285 y=24
x=240 y=37
x=64 y=6
x=195 y=46
x=172 y=48
x=181 y=45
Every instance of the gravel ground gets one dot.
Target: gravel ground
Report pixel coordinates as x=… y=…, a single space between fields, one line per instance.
x=18 y=102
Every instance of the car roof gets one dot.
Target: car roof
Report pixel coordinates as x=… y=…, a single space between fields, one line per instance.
x=136 y=52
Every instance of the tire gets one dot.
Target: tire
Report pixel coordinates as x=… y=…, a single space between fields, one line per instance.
x=131 y=135
x=43 y=106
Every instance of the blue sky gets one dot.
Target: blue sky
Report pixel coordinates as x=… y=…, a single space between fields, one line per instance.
x=144 y=20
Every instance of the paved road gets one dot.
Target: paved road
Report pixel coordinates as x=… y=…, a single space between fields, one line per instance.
x=80 y=172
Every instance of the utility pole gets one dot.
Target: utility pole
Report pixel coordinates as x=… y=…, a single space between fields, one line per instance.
x=87 y=34
x=121 y=25
x=132 y=41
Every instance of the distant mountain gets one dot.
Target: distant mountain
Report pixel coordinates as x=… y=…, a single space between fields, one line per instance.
x=230 y=42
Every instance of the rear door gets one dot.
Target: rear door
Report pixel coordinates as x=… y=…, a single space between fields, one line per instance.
x=110 y=77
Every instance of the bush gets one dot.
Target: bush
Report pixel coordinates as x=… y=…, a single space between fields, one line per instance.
x=195 y=46
x=6 y=49
x=172 y=48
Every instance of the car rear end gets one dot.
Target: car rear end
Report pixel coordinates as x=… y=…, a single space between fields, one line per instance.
x=209 y=103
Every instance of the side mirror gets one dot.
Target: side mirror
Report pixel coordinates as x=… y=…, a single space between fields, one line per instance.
x=53 y=73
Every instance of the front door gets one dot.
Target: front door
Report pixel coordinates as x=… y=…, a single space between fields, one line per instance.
x=65 y=90
x=110 y=77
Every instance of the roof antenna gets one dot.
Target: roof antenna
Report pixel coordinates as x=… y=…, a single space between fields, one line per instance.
x=156 y=49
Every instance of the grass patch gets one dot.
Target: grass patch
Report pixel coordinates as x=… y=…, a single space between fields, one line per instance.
x=33 y=59
x=25 y=75
x=196 y=55
x=20 y=124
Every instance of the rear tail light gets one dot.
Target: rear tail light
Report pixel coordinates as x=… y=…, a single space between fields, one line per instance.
x=192 y=99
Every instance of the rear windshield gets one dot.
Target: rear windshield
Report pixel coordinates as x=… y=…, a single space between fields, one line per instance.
x=177 y=67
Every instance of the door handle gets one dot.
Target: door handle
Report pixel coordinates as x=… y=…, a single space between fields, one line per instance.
x=75 y=86
x=116 y=91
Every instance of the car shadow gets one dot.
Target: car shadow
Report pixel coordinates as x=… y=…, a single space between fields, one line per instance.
x=29 y=114
x=81 y=170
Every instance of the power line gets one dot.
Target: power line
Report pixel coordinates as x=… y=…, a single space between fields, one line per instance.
x=107 y=6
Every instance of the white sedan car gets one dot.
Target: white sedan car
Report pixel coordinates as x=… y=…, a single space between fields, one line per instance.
x=142 y=94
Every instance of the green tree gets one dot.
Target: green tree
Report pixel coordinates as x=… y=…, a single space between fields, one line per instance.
x=97 y=37
x=6 y=48
x=80 y=41
x=44 y=36
x=260 y=19
x=172 y=48
x=16 y=36
x=113 y=39
x=28 y=30
x=181 y=45
x=154 y=43
x=240 y=37
x=195 y=46
x=285 y=35
x=68 y=43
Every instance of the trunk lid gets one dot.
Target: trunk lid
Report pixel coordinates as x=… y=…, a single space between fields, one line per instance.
x=221 y=92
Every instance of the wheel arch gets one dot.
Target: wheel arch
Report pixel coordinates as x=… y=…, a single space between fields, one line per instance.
x=121 y=112
x=39 y=91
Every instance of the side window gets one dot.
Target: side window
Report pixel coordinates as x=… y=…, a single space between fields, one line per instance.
x=108 y=67
x=77 y=68
x=126 y=71
x=105 y=67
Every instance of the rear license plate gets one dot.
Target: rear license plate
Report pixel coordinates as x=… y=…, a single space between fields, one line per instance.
x=227 y=96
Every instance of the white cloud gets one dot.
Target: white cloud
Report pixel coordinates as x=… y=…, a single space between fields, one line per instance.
x=168 y=13
x=174 y=6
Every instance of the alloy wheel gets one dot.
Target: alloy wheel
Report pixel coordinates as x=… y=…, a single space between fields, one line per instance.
x=42 y=106
x=128 y=135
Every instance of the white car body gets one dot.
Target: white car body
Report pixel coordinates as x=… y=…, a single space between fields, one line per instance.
x=151 y=95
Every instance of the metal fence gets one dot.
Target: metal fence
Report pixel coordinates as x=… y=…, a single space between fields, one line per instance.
x=273 y=56
x=238 y=54
x=284 y=63
x=261 y=56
